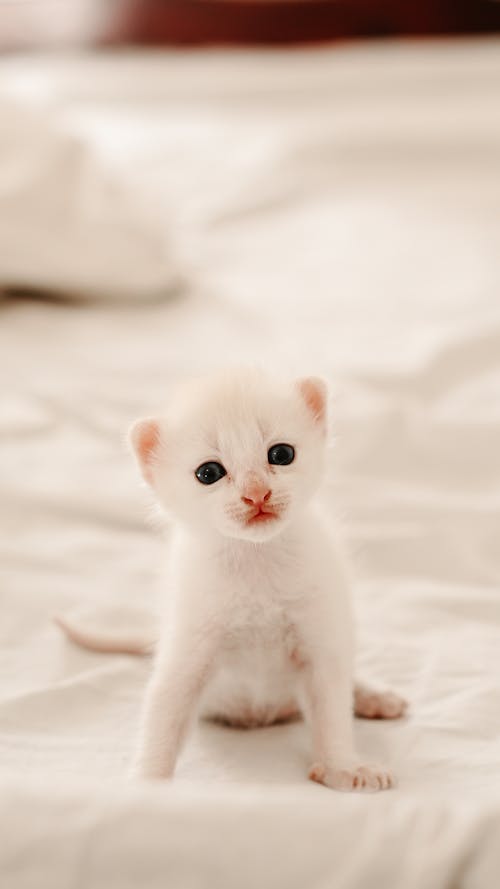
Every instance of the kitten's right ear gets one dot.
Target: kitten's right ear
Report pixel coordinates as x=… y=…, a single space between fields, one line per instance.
x=144 y=436
x=314 y=392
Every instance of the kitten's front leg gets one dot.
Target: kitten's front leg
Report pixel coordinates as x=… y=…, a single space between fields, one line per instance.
x=329 y=706
x=182 y=666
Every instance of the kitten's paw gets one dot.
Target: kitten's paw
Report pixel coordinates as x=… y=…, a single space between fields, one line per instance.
x=372 y=704
x=367 y=779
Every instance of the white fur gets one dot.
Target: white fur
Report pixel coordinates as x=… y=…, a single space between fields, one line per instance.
x=257 y=622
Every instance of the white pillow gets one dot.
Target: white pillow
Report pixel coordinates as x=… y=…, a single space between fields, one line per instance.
x=69 y=225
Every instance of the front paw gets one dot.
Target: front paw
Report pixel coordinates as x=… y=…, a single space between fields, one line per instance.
x=353 y=777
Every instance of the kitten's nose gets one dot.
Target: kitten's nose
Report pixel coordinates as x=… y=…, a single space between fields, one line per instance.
x=256 y=495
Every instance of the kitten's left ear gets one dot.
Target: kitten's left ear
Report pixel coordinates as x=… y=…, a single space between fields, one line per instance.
x=315 y=394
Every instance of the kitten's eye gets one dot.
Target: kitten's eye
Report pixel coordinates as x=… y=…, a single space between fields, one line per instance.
x=280 y=455
x=209 y=473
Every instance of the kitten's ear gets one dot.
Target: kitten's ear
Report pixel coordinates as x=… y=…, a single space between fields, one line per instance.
x=315 y=394
x=144 y=436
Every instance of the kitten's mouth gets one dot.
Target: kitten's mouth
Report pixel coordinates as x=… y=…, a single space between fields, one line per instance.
x=261 y=515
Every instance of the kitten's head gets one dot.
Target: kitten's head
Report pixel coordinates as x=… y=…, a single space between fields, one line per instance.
x=240 y=454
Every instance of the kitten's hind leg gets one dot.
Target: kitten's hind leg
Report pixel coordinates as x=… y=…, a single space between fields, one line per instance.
x=375 y=703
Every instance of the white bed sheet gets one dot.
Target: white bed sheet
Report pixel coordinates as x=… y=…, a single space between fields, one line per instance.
x=339 y=213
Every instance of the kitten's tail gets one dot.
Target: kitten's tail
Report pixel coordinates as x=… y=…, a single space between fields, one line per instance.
x=116 y=631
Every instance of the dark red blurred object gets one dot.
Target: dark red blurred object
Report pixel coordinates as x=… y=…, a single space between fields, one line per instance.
x=294 y=21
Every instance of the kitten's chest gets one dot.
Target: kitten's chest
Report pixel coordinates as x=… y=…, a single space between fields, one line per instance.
x=263 y=597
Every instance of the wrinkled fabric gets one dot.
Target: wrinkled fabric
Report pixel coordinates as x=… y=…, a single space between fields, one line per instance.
x=340 y=208
x=70 y=224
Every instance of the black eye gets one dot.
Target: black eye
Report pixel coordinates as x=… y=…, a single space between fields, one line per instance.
x=280 y=454
x=208 y=473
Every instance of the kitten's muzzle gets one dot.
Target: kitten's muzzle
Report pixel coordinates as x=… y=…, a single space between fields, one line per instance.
x=258 y=496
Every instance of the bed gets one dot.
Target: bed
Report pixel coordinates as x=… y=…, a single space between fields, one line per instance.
x=334 y=211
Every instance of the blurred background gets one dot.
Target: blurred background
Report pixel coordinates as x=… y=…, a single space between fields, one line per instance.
x=313 y=186
x=35 y=23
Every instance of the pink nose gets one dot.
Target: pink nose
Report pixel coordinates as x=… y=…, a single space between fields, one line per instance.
x=256 y=495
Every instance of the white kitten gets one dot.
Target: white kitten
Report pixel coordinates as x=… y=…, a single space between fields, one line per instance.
x=257 y=625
